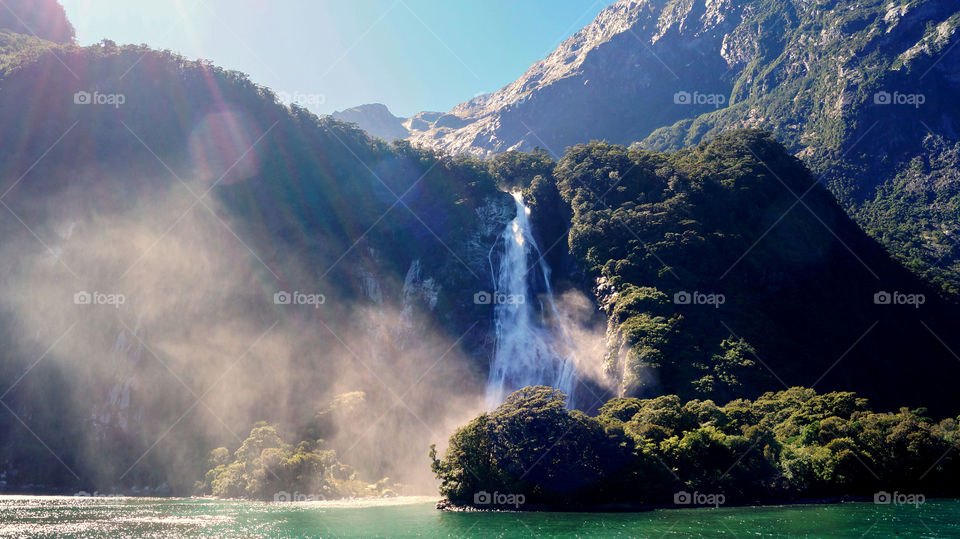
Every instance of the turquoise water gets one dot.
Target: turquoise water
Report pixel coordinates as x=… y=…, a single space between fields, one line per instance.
x=53 y=516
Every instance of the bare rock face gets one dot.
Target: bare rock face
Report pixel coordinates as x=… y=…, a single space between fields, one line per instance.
x=376 y=119
x=422 y=121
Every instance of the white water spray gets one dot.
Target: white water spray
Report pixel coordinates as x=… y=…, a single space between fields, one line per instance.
x=532 y=347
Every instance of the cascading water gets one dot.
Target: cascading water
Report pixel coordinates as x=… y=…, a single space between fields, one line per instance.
x=532 y=346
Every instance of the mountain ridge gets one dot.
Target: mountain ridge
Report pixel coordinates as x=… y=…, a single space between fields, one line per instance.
x=376 y=119
x=809 y=73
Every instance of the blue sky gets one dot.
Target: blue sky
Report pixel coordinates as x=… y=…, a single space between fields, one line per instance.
x=412 y=55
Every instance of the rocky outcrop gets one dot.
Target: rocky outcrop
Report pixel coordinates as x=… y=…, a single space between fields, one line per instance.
x=422 y=121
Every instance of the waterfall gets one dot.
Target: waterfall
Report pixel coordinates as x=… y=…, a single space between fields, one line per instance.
x=532 y=346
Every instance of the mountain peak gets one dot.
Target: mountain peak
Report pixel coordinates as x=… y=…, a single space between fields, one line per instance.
x=376 y=119
x=600 y=69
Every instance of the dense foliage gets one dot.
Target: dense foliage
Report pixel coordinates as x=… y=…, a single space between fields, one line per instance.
x=788 y=445
x=916 y=214
x=264 y=467
x=793 y=281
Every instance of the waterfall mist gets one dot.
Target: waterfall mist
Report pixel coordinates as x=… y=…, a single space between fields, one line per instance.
x=198 y=350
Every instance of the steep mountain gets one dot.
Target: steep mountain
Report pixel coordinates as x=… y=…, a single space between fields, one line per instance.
x=589 y=87
x=819 y=75
x=376 y=120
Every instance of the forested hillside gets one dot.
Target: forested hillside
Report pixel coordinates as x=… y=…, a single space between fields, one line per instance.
x=727 y=270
